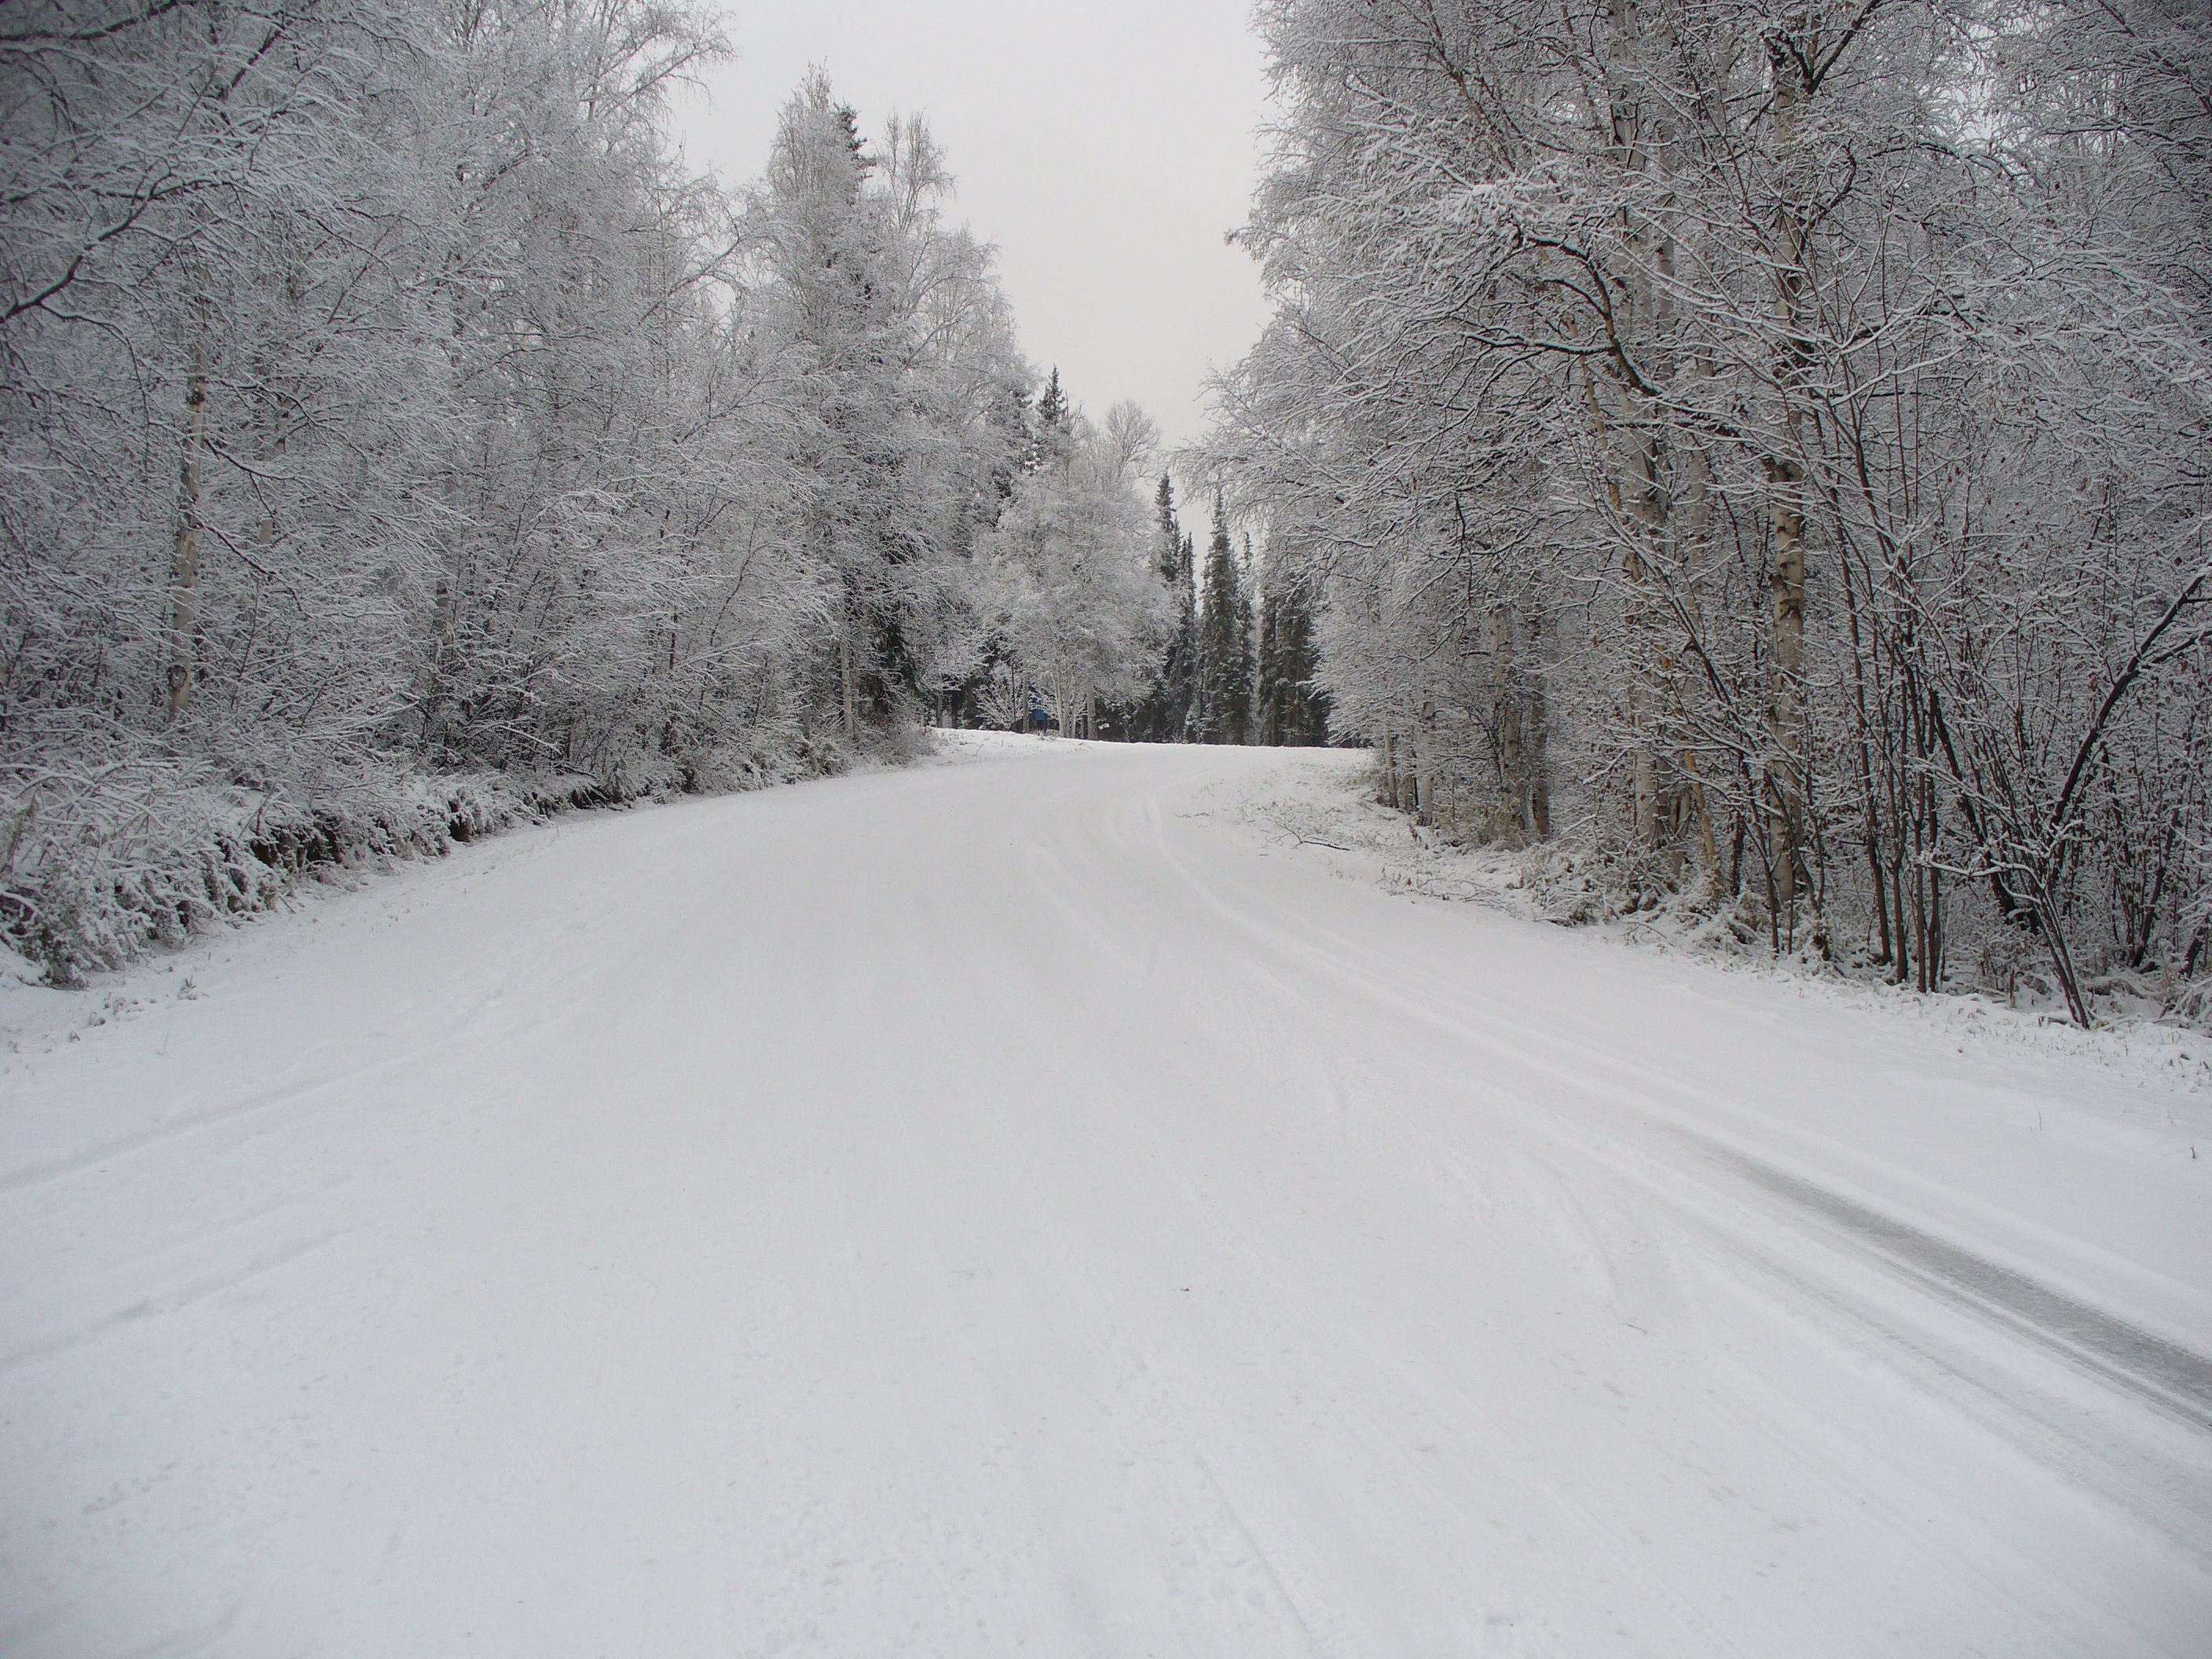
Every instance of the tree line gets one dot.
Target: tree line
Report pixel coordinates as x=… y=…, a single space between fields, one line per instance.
x=1237 y=661
x=1765 y=445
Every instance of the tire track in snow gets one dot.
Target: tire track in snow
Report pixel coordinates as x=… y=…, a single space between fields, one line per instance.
x=170 y=1131
x=2162 y=1372
x=91 y=1157
x=165 y=1302
x=2165 y=1496
x=2156 y=1371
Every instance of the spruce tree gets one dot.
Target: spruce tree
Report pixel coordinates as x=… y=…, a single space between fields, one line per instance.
x=1268 y=692
x=1247 y=658
x=1291 y=711
x=1164 y=716
x=1169 y=708
x=1225 y=682
x=1053 y=440
x=1186 y=682
x=1171 y=559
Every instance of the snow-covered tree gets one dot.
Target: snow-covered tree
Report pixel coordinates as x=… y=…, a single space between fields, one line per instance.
x=1065 y=572
x=1783 y=419
x=1222 y=703
x=1163 y=714
x=1288 y=708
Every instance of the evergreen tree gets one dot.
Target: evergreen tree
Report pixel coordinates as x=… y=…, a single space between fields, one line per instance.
x=1052 y=436
x=1267 y=689
x=1248 y=664
x=1291 y=711
x=1305 y=704
x=1223 y=713
x=1170 y=557
x=1184 y=726
x=1165 y=714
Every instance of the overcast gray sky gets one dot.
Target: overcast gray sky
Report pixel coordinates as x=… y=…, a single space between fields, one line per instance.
x=1104 y=148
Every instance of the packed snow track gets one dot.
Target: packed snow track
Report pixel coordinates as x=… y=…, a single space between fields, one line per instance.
x=1046 y=1204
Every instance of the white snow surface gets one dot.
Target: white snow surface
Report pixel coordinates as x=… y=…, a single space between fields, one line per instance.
x=1044 y=1205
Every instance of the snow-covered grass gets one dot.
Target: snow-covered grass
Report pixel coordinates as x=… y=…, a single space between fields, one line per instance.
x=1327 y=805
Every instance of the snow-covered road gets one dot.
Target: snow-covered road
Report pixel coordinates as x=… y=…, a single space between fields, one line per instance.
x=1026 y=1207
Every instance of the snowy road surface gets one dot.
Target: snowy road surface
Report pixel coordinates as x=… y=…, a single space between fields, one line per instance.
x=1031 y=1207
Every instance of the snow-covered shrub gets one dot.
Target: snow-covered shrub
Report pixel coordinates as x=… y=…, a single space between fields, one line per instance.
x=2190 y=1005
x=128 y=847
x=1598 y=881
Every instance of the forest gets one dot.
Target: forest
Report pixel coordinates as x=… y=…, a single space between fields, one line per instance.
x=1754 y=452
x=401 y=443
x=1750 y=456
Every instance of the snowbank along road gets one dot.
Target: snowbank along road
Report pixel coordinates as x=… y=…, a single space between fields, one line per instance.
x=1031 y=1206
